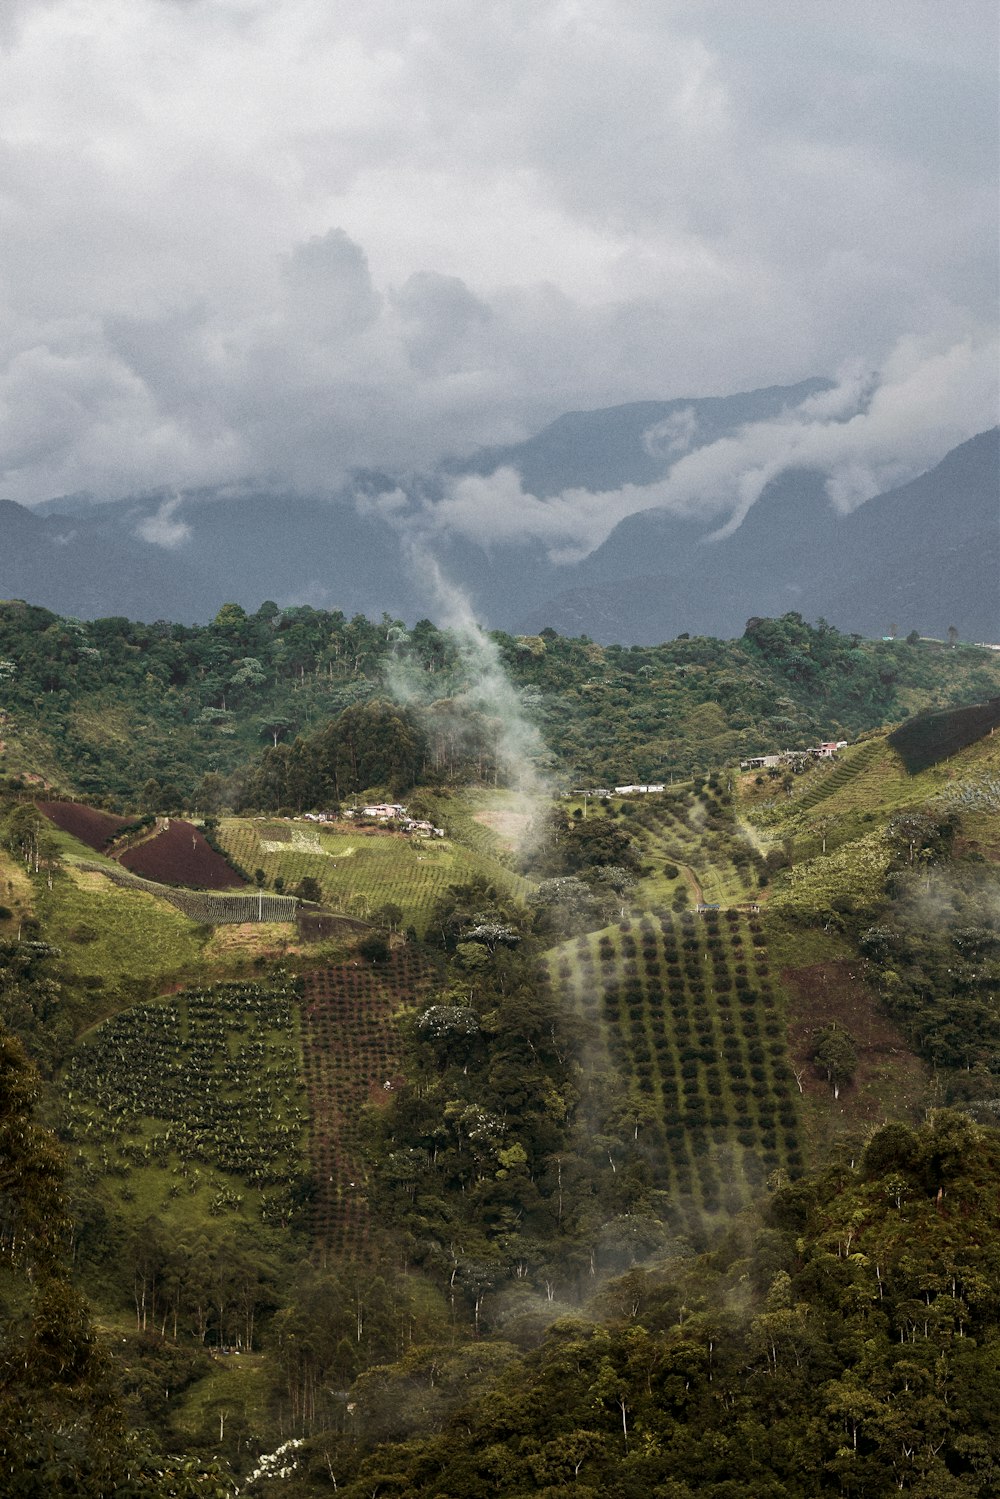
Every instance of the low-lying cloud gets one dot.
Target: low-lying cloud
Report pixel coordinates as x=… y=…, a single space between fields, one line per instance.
x=867 y=435
x=480 y=687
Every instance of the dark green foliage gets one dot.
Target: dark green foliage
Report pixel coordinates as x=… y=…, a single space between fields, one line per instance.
x=308 y=889
x=191 y=703
x=835 y=1056
x=930 y=737
x=62 y=1421
x=370 y=744
x=506 y=1152
x=374 y=949
x=935 y=956
x=841 y=1341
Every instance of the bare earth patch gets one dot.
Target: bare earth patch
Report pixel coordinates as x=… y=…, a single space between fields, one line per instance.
x=890 y=1082
x=89 y=824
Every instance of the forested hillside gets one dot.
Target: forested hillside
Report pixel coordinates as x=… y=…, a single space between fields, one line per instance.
x=523 y=1141
x=167 y=716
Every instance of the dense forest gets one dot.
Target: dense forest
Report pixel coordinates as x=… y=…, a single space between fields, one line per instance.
x=636 y=1146
x=166 y=716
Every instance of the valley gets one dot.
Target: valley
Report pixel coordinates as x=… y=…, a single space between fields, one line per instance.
x=591 y=1126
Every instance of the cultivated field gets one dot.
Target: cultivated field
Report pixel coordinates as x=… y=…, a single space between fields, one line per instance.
x=193 y=1105
x=351 y=1060
x=180 y=855
x=359 y=870
x=686 y=1009
x=88 y=824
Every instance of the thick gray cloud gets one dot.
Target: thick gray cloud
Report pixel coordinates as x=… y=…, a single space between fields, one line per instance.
x=245 y=238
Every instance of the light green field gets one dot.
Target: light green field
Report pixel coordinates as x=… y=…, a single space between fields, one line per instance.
x=360 y=870
x=106 y=932
x=873 y=777
x=871 y=785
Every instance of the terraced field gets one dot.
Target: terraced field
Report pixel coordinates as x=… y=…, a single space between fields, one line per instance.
x=351 y=1059
x=850 y=763
x=360 y=870
x=839 y=809
x=686 y=1010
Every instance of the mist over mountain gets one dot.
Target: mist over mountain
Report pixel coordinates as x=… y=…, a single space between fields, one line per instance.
x=921 y=555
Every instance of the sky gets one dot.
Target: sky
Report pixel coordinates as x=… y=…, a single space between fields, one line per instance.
x=280 y=240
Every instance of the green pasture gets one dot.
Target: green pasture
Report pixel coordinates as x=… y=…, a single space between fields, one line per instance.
x=235 y=1395
x=111 y=937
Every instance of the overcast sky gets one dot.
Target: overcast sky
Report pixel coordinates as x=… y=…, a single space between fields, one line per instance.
x=284 y=238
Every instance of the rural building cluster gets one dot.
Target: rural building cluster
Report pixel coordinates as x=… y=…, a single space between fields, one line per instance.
x=605 y=793
x=389 y=814
x=828 y=750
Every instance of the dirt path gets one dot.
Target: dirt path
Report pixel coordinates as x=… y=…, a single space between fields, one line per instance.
x=135 y=840
x=692 y=880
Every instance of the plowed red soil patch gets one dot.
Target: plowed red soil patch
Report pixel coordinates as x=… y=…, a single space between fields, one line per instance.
x=92 y=827
x=890 y=1082
x=351 y=1059
x=181 y=856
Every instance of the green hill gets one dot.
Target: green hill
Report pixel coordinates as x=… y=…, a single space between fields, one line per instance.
x=622 y=1096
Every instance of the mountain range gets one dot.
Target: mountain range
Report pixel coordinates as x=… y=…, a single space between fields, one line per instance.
x=923 y=556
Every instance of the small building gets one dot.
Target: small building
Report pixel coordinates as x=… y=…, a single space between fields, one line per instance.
x=424 y=828
x=384 y=811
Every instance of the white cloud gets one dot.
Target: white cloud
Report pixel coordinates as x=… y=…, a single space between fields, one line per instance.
x=162 y=529
x=289 y=237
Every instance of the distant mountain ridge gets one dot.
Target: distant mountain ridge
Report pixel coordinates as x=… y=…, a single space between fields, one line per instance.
x=924 y=556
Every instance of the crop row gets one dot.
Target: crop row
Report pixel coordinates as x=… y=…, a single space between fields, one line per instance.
x=358 y=871
x=851 y=764
x=687 y=1014
x=207 y=1079
x=702 y=835
x=351 y=1060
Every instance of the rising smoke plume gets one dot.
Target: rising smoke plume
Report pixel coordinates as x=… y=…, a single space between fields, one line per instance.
x=479 y=689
